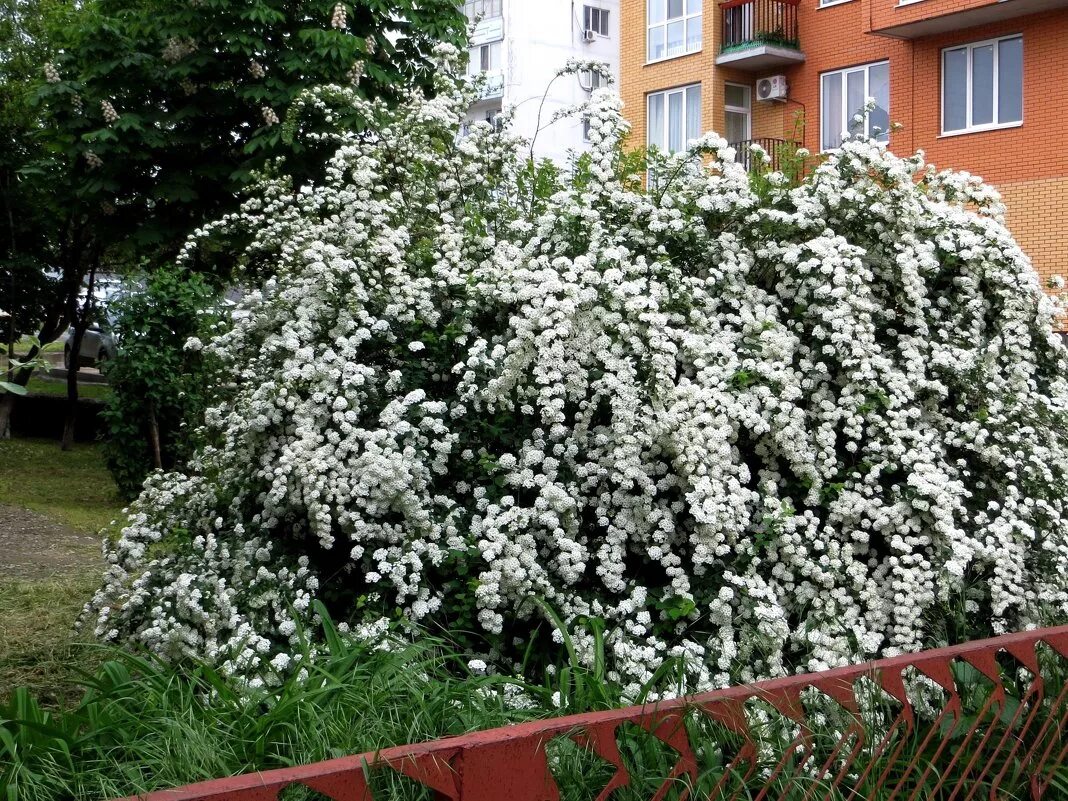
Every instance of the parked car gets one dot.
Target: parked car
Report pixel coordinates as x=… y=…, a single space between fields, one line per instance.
x=99 y=344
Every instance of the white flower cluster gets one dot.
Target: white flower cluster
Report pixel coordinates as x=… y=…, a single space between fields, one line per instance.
x=269 y=116
x=338 y=19
x=93 y=160
x=177 y=48
x=51 y=73
x=109 y=112
x=751 y=432
x=255 y=69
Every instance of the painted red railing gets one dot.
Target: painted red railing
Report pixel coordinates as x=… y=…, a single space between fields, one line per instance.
x=958 y=723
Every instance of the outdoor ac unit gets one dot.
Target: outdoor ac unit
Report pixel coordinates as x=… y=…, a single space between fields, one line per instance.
x=773 y=88
x=588 y=35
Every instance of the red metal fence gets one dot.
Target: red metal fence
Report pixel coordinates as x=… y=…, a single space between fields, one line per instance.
x=983 y=720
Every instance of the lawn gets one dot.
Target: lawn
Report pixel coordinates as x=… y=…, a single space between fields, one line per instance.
x=39 y=648
x=72 y=487
x=58 y=388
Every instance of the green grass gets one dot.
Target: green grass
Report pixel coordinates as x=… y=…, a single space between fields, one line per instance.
x=144 y=725
x=58 y=389
x=38 y=646
x=70 y=487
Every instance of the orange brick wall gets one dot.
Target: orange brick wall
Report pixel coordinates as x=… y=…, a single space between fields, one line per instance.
x=885 y=13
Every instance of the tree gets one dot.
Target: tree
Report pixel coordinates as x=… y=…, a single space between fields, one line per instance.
x=748 y=426
x=157 y=384
x=154 y=114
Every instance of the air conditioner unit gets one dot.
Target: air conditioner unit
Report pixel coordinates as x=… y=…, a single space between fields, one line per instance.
x=772 y=88
x=588 y=35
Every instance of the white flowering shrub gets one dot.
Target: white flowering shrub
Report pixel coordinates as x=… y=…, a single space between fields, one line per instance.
x=756 y=426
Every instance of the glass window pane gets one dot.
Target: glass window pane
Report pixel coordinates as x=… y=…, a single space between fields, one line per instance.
x=831 y=111
x=693 y=112
x=675 y=122
x=674 y=38
x=879 y=88
x=656 y=43
x=693 y=6
x=1010 y=80
x=983 y=85
x=656 y=121
x=955 y=90
x=855 y=100
x=674 y=8
x=656 y=10
x=736 y=96
x=737 y=126
x=693 y=34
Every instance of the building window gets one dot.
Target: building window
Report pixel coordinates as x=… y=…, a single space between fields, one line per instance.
x=485 y=58
x=844 y=95
x=482 y=9
x=595 y=19
x=592 y=79
x=825 y=3
x=674 y=117
x=738 y=112
x=982 y=85
x=674 y=28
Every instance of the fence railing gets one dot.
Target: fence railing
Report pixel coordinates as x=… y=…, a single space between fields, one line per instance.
x=778 y=151
x=755 y=22
x=966 y=722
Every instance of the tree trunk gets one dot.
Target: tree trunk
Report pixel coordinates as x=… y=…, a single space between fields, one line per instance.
x=153 y=436
x=7 y=400
x=81 y=323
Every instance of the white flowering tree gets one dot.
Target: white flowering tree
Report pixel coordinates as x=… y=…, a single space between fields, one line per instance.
x=759 y=429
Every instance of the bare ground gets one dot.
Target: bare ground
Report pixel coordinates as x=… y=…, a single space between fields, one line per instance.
x=34 y=547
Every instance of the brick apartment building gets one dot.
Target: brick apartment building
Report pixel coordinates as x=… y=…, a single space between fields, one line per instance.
x=976 y=84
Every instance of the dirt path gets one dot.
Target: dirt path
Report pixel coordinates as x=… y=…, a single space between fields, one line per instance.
x=33 y=547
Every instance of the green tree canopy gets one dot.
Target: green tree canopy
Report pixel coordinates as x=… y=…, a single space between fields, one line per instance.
x=160 y=111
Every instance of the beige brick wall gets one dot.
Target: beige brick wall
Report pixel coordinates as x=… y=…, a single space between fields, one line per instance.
x=1038 y=218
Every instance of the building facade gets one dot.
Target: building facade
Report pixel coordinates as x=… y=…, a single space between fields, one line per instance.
x=972 y=83
x=521 y=44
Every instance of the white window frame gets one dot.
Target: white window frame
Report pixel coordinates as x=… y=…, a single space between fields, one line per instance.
x=846 y=118
x=591 y=80
x=685 y=19
x=830 y=3
x=602 y=19
x=987 y=126
x=747 y=111
x=478 y=50
x=667 y=117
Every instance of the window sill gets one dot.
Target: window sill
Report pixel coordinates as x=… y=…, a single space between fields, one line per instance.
x=682 y=55
x=903 y=3
x=984 y=129
x=822 y=6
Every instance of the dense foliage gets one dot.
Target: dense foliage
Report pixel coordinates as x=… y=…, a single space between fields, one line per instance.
x=749 y=426
x=160 y=112
x=157 y=386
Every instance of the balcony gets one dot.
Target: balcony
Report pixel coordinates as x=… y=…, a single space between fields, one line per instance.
x=485 y=21
x=493 y=87
x=760 y=35
x=915 y=19
x=780 y=150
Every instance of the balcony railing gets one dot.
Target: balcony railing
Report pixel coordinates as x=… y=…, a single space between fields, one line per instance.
x=779 y=150
x=482 y=9
x=749 y=23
